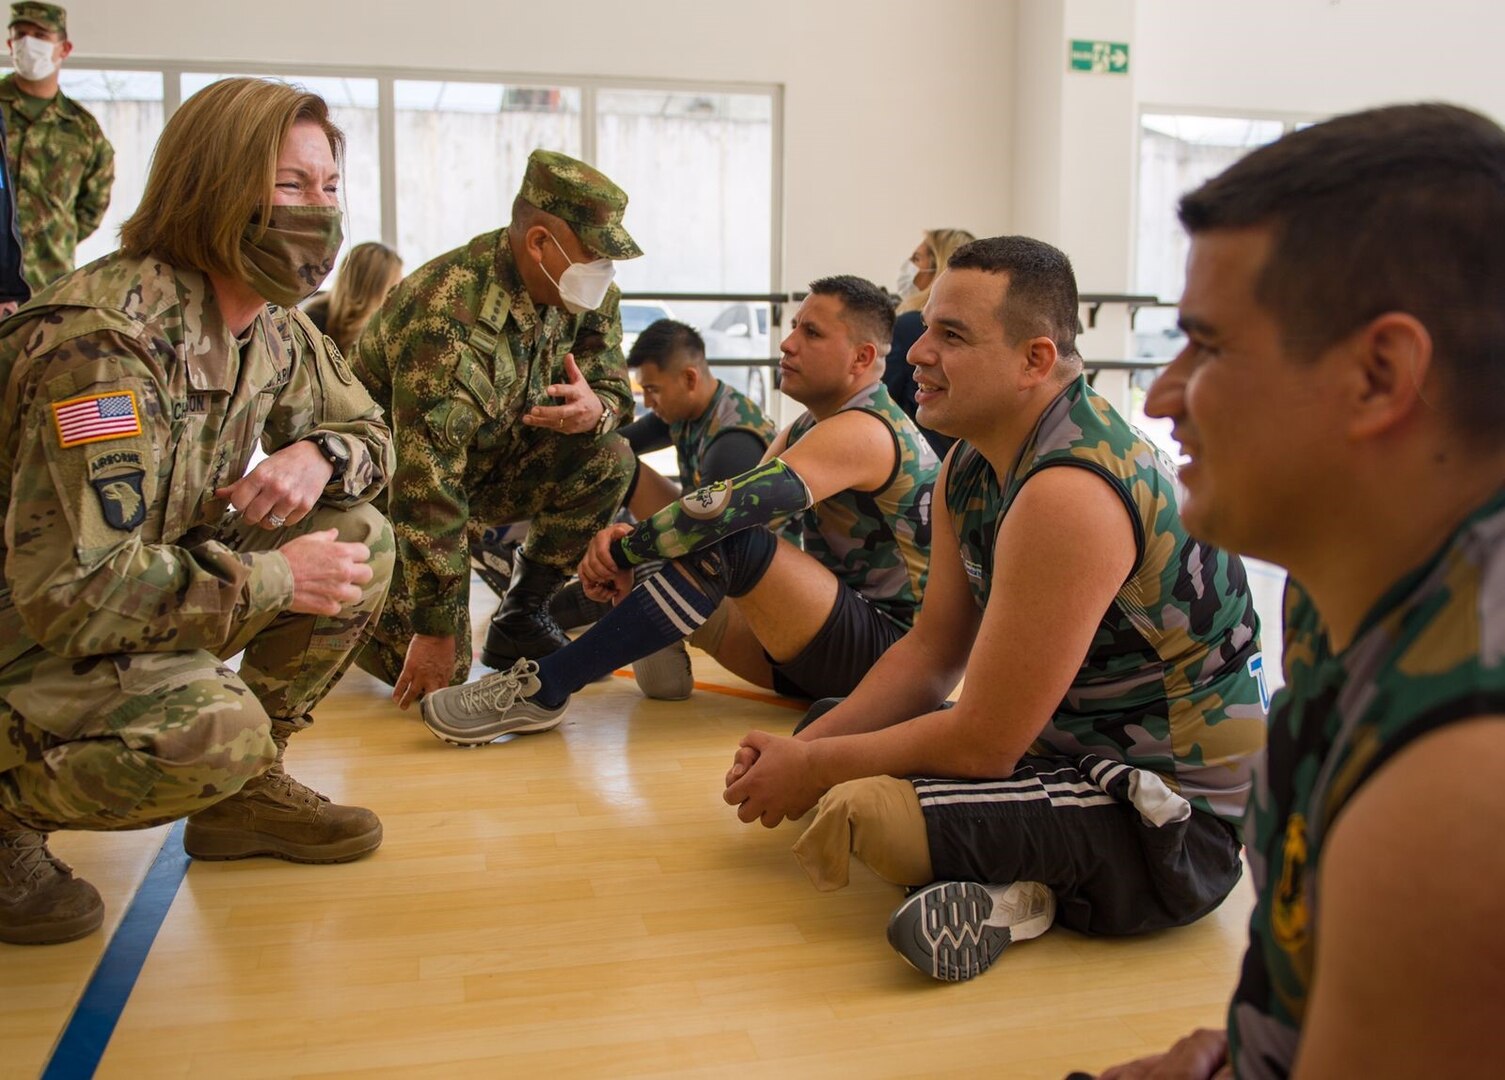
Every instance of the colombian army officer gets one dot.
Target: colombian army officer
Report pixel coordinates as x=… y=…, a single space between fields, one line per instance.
x=500 y=365
x=138 y=557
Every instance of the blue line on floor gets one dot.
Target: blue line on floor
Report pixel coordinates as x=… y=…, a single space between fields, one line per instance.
x=83 y=1041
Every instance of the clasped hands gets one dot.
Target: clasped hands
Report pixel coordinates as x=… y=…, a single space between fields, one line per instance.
x=772 y=777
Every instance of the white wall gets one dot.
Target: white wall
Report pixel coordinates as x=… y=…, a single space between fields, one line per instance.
x=898 y=116
x=1319 y=56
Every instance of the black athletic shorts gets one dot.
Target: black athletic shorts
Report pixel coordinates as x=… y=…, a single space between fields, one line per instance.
x=854 y=635
x=1071 y=824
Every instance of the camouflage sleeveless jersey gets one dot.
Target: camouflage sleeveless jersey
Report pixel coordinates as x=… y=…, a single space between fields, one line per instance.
x=878 y=542
x=1428 y=654
x=1170 y=682
x=730 y=410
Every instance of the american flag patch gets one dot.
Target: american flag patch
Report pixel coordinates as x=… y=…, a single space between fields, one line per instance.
x=99 y=416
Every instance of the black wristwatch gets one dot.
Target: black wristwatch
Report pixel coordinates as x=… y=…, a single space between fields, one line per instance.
x=335 y=452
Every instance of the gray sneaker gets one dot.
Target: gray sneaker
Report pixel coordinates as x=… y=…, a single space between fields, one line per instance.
x=490 y=707
x=953 y=930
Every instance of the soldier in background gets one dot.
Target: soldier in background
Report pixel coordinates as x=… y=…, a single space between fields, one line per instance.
x=717 y=433
x=137 y=556
x=13 y=288
x=500 y=366
x=60 y=161
x=1100 y=753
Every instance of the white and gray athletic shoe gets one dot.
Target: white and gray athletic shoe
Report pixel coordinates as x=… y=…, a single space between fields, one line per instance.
x=953 y=930
x=493 y=706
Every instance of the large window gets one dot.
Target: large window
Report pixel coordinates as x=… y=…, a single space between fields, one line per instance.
x=128 y=106
x=461 y=151
x=433 y=161
x=696 y=168
x=1178 y=153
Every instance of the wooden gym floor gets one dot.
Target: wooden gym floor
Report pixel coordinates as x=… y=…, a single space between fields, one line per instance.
x=576 y=903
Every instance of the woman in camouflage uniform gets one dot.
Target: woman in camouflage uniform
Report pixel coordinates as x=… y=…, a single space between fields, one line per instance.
x=138 y=558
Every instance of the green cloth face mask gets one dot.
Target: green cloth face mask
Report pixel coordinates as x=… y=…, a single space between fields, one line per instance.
x=294 y=254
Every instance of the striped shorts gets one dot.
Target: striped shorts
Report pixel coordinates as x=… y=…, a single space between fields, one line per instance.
x=1123 y=852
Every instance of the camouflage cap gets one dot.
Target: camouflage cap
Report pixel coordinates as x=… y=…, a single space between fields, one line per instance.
x=584 y=198
x=47 y=16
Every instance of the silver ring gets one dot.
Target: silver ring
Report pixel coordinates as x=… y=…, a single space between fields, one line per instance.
x=276 y=521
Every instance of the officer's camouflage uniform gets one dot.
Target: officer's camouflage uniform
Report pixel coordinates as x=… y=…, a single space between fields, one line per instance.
x=127 y=581
x=458 y=354
x=1167 y=683
x=63 y=168
x=729 y=410
x=1426 y=656
x=878 y=542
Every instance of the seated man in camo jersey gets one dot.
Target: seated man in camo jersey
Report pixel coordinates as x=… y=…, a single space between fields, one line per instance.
x=1342 y=399
x=806 y=623
x=717 y=433
x=1099 y=755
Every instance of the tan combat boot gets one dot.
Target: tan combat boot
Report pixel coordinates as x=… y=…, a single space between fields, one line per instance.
x=41 y=902
x=275 y=815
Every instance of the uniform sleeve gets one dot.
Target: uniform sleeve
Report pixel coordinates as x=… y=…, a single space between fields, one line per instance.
x=433 y=420
x=324 y=395
x=598 y=352
x=83 y=424
x=94 y=192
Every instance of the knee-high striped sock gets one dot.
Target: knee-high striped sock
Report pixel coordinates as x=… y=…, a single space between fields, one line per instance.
x=667 y=605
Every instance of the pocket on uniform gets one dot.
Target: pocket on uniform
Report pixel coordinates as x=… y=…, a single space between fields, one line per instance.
x=454 y=422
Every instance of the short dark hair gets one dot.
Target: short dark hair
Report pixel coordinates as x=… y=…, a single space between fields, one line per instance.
x=1041 y=298
x=660 y=340
x=868 y=308
x=1393 y=209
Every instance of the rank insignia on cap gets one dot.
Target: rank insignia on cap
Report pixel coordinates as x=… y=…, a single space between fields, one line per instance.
x=96 y=417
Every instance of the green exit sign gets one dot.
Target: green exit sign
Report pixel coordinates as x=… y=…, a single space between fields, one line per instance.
x=1104 y=57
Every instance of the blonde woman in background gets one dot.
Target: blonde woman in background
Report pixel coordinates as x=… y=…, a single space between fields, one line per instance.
x=916 y=277
x=370 y=271
x=918 y=273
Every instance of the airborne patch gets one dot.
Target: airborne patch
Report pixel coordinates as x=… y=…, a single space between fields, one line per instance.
x=120 y=498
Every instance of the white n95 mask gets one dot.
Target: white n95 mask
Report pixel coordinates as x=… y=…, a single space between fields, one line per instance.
x=582 y=287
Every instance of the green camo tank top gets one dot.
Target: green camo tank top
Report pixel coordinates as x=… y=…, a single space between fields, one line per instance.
x=878 y=542
x=1430 y=652
x=730 y=410
x=1172 y=681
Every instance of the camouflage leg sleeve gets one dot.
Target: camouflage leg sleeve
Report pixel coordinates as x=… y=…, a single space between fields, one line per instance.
x=570 y=487
x=126 y=741
x=292 y=660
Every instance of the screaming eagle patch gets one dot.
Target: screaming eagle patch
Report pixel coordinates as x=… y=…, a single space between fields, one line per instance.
x=116 y=477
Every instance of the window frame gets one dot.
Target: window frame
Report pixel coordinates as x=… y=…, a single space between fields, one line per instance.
x=1289 y=122
x=589 y=86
